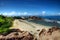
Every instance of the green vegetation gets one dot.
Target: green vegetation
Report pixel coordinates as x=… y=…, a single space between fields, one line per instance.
x=5 y=23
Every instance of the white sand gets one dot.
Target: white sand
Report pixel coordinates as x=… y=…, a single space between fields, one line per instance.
x=28 y=26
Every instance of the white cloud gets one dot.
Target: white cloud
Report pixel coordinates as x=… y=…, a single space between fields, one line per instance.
x=4 y=13
x=25 y=13
x=9 y=13
x=43 y=12
x=13 y=13
x=18 y=13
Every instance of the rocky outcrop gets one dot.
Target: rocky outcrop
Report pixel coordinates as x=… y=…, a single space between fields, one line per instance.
x=50 y=34
x=16 y=34
x=35 y=18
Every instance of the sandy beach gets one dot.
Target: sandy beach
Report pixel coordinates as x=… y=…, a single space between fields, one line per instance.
x=31 y=27
x=27 y=26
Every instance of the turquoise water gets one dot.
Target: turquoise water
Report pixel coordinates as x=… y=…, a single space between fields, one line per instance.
x=44 y=23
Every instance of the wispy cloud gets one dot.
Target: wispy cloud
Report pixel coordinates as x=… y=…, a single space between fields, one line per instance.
x=9 y=13
x=14 y=13
x=25 y=13
x=43 y=13
x=4 y=13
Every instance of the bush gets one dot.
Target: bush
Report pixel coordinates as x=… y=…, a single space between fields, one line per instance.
x=5 y=23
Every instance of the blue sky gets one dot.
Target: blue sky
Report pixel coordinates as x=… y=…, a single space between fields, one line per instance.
x=30 y=7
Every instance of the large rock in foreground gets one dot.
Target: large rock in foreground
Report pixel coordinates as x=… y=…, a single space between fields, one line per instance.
x=15 y=34
x=50 y=34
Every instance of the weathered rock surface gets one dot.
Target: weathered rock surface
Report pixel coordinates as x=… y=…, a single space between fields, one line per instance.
x=16 y=34
x=50 y=34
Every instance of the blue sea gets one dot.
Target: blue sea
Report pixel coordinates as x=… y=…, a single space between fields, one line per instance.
x=48 y=21
x=57 y=18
